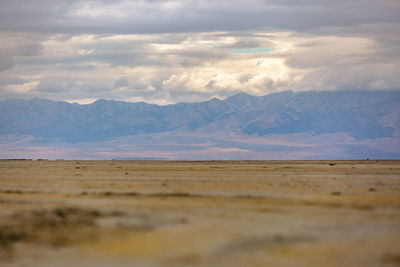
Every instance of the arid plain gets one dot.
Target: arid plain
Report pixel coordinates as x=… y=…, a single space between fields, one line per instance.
x=209 y=213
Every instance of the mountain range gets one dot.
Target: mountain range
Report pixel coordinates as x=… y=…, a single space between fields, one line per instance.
x=362 y=117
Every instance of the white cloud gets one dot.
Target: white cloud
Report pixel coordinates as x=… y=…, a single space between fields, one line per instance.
x=160 y=66
x=83 y=101
x=21 y=88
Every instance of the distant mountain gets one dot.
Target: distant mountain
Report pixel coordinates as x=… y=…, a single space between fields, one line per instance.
x=360 y=114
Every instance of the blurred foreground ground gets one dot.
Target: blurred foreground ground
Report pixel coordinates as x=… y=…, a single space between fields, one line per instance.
x=219 y=213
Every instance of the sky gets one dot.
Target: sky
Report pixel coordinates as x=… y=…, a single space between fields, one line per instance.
x=173 y=51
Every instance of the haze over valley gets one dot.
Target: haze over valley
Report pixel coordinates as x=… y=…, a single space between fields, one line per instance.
x=287 y=125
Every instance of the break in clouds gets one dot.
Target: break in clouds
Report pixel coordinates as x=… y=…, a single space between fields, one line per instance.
x=170 y=51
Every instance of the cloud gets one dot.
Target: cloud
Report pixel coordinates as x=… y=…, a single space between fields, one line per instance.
x=6 y=61
x=343 y=62
x=157 y=66
x=170 y=51
x=21 y=88
x=168 y=16
x=14 y=45
x=122 y=82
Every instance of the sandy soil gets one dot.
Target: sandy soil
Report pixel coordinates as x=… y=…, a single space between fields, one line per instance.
x=161 y=213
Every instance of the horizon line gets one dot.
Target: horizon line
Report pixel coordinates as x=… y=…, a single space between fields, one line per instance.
x=92 y=101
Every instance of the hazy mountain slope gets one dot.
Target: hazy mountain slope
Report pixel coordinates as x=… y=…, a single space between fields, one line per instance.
x=360 y=114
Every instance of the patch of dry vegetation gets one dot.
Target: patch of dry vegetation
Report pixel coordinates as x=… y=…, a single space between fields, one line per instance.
x=200 y=213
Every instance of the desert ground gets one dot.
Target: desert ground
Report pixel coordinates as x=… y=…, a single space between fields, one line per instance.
x=208 y=213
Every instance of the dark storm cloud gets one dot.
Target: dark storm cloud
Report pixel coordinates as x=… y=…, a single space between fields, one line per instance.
x=18 y=44
x=55 y=16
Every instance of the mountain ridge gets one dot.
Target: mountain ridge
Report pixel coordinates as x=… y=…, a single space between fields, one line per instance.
x=362 y=114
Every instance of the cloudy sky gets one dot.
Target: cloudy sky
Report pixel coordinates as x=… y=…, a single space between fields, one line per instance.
x=167 y=51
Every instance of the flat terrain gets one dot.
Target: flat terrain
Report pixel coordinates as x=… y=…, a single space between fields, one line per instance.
x=216 y=213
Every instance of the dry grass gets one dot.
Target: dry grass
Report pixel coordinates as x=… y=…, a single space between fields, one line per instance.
x=210 y=213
